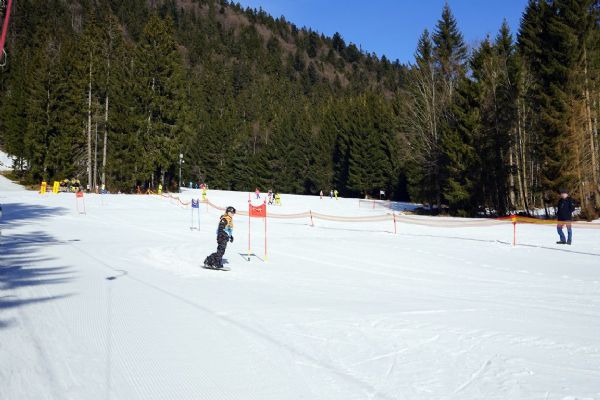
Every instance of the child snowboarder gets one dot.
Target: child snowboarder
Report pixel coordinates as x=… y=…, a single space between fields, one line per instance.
x=224 y=235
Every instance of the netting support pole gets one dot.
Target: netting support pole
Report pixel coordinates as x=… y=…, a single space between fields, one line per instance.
x=395 y=231
x=514 y=221
x=249 y=217
x=311 y=218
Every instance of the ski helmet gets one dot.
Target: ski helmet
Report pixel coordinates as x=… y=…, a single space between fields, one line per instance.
x=230 y=209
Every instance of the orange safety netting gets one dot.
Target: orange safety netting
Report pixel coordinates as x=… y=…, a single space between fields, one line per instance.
x=529 y=220
x=408 y=219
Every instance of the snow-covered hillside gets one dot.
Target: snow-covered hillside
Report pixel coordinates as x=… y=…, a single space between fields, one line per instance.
x=5 y=162
x=113 y=304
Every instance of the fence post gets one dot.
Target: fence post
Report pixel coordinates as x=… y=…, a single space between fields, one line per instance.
x=394 y=215
x=311 y=218
x=514 y=221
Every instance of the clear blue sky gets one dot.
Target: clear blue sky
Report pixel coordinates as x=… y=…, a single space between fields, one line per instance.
x=392 y=27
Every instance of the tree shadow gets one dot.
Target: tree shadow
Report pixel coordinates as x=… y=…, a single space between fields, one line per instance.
x=14 y=214
x=21 y=263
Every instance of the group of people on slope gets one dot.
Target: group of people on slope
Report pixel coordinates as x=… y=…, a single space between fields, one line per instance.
x=333 y=193
x=272 y=198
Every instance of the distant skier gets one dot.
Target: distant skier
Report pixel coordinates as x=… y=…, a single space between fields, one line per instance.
x=331 y=194
x=564 y=213
x=257 y=192
x=270 y=197
x=224 y=235
x=321 y=194
x=335 y=194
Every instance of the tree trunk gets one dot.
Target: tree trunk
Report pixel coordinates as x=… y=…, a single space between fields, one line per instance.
x=595 y=189
x=89 y=131
x=95 y=181
x=105 y=142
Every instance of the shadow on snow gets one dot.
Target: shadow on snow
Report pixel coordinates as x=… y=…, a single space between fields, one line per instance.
x=20 y=258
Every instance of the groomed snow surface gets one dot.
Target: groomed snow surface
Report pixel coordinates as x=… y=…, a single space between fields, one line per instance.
x=113 y=304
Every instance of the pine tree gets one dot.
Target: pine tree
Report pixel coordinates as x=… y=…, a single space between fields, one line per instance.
x=460 y=159
x=160 y=98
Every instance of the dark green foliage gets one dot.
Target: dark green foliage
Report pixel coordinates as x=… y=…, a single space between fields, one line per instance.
x=460 y=160
x=250 y=100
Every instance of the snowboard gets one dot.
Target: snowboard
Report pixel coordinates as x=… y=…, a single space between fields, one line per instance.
x=216 y=269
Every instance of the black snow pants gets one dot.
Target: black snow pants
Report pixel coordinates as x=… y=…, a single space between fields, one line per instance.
x=216 y=259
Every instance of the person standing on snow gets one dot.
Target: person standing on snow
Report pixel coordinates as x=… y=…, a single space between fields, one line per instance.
x=224 y=235
x=564 y=213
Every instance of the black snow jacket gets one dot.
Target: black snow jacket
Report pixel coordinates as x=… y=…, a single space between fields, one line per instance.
x=564 y=209
x=225 y=224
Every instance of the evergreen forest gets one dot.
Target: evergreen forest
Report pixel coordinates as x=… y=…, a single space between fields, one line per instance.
x=125 y=93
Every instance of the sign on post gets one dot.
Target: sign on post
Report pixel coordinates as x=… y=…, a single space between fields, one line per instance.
x=195 y=206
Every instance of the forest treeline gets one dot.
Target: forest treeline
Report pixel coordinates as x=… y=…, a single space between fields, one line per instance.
x=112 y=92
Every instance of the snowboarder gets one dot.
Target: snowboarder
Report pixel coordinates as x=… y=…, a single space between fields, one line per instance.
x=224 y=235
x=564 y=213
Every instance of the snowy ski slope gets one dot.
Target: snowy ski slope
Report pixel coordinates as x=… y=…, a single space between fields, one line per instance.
x=113 y=304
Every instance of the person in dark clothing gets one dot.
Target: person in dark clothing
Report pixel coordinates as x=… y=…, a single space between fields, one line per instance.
x=564 y=213
x=224 y=235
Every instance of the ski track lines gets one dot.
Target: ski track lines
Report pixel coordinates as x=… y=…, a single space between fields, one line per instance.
x=144 y=371
x=398 y=269
x=341 y=262
x=403 y=278
x=245 y=329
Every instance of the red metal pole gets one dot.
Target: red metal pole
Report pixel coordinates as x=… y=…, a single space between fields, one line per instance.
x=5 y=28
x=266 y=256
